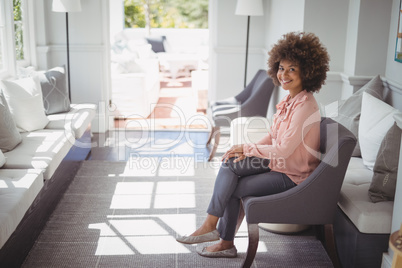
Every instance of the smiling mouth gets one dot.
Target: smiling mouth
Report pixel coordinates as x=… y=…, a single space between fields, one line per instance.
x=284 y=82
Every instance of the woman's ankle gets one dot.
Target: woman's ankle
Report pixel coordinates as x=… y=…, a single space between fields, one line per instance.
x=203 y=230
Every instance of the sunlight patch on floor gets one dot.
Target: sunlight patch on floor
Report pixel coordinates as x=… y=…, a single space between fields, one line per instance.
x=132 y=234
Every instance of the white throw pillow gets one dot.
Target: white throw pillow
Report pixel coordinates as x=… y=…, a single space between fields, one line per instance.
x=347 y=112
x=24 y=98
x=2 y=159
x=375 y=121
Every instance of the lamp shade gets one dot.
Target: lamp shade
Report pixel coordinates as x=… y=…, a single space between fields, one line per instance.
x=66 y=5
x=249 y=8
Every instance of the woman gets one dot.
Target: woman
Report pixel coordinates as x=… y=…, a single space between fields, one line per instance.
x=284 y=158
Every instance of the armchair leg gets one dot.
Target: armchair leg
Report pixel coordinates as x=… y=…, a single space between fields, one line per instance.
x=253 y=238
x=215 y=134
x=330 y=245
x=326 y=235
x=211 y=134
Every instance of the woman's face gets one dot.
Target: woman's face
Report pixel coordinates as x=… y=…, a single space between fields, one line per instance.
x=289 y=77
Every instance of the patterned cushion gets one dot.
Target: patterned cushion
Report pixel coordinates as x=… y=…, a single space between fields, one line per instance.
x=9 y=135
x=54 y=90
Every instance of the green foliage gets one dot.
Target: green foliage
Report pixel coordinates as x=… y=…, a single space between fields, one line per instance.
x=18 y=30
x=166 y=13
x=134 y=14
x=17 y=10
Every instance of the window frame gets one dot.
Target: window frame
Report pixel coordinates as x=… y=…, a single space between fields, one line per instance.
x=7 y=36
x=7 y=33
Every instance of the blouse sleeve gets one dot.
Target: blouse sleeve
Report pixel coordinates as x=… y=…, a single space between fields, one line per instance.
x=291 y=137
x=266 y=140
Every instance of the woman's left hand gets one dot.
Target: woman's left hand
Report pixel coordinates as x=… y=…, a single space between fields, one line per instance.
x=234 y=151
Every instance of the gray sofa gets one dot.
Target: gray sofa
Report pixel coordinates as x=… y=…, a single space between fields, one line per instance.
x=365 y=210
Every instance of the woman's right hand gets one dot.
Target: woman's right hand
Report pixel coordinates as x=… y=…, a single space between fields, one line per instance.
x=234 y=151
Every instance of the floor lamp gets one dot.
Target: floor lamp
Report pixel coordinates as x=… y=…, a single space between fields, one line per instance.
x=67 y=6
x=248 y=8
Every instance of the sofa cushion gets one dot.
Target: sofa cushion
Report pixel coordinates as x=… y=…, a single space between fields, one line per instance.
x=41 y=149
x=24 y=98
x=368 y=217
x=9 y=135
x=347 y=112
x=376 y=119
x=18 y=190
x=54 y=90
x=76 y=121
x=383 y=184
x=157 y=43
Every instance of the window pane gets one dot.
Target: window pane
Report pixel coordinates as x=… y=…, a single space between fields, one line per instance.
x=18 y=29
x=166 y=14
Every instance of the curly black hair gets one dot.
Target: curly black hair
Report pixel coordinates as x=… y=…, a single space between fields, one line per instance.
x=308 y=52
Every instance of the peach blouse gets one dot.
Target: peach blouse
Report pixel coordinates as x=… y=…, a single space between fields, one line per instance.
x=293 y=141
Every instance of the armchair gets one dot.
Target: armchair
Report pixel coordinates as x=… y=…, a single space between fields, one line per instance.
x=252 y=101
x=314 y=201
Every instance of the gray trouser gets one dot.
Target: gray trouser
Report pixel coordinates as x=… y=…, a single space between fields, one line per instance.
x=249 y=177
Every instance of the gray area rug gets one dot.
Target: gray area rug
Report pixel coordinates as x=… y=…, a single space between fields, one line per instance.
x=127 y=214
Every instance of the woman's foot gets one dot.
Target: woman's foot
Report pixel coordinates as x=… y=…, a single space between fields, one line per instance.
x=222 y=245
x=206 y=233
x=223 y=249
x=196 y=239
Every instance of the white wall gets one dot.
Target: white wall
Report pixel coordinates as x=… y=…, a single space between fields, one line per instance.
x=308 y=16
x=89 y=51
x=277 y=21
x=330 y=27
x=393 y=72
x=228 y=47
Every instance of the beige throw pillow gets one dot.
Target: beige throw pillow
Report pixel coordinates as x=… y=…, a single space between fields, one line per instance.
x=383 y=184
